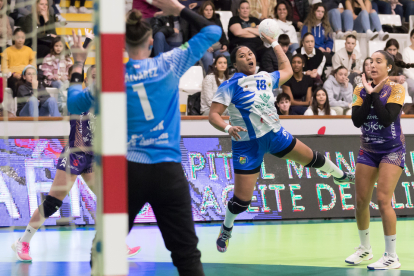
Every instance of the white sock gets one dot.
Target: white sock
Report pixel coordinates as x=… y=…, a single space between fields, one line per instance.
x=364 y=238
x=28 y=234
x=331 y=168
x=229 y=219
x=390 y=244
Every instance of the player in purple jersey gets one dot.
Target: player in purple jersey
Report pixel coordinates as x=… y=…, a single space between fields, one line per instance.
x=377 y=110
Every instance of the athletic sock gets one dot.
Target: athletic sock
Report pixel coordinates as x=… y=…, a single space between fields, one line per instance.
x=331 y=168
x=229 y=219
x=28 y=234
x=364 y=238
x=390 y=244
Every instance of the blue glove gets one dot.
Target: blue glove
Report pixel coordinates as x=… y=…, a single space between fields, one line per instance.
x=79 y=101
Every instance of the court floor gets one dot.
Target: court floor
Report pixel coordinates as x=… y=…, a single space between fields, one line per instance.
x=259 y=248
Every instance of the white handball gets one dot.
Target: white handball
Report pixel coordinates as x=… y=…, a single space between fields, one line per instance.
x=270 y=28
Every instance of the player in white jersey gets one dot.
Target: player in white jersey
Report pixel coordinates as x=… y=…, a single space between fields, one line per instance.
x=256 y=129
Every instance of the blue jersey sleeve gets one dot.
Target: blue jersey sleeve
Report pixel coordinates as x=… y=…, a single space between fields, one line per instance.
x=79 y=100
x=224 y=94
x=182 y=58
x=275 y=79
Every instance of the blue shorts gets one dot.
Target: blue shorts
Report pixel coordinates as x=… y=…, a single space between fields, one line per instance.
x=248 y=155
x=372 y=159
x=79 y=162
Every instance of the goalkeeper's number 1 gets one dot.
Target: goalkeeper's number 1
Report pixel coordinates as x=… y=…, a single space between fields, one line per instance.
x=143 y=97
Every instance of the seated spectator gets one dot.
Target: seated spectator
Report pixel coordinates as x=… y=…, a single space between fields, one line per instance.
x=300 y=10
x=192 y=4
x=348 y=57
x=167 y=33
x=317 y=24
x=45 y=28
x=283 y=105
x=55 y=68
x=211 y=83
x=82 y=8
x=22 y=9
x=341 y=20
x=148 y=11
x=283 y=13
x=339 y=91
x=366 y=69
x=407 y=8
x=366 y=19
x=299 y=86
x=219 y=48
x=27 y=103
x=58 y=12
x=320 y=104
x=382 y=7
x=243 y=30
x=269 y=61
x=6 y=31
x=262 y=9
x=15 y=59
x=314 y=58
x=408 y=57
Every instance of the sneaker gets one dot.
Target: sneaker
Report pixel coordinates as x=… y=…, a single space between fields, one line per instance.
x=58 y=8
x=223 y=239
x=372 y=35
x=84 y=10
x=22 y=251
x=387 y=261
x=361 y=254
x=383 y=36
x=347 y=178
x=72 y=9
x=61 y=19
x=133 y=251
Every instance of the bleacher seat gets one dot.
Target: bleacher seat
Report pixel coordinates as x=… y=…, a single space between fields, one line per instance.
x=374 y=46
x=340 y=43
x=225 y=18
x=190 y=83
x=9 y=104
x=390 y=19
x=54 y=92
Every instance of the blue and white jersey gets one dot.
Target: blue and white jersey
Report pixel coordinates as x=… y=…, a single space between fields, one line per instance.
x=251 y=103
x=153 y=99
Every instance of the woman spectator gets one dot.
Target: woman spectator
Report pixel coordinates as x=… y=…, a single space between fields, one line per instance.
x=30 y=105
x=56 y=67
x=300 y=10
x=208 y=10
x=15 y=59
x=366 y=69
x=211 y=83
x=339 y=91
x=314 y=58
x=262 y=9
x=82 y=8
x=283 y=15
x=299 y=87
x=283 y=105
x=341 y=20
x=45 y=28
x=408 y=57
x=320 y=104
x=366 y=19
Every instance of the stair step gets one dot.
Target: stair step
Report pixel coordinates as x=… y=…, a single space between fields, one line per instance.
x=66 y=3
x=77 y=17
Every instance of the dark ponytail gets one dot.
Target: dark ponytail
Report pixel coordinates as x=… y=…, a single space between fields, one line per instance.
x=137 y=30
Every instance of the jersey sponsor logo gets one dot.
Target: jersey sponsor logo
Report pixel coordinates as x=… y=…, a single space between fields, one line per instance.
x=160 y=126
x=361 y=152
x=354 y=98
x=162 y=139
x=264 y=97
x=63 y=162
x=243 y=160
x=285 y=133
x=145 y=74
x=75 y=162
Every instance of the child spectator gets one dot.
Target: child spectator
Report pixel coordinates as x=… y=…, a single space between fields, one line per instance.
x=211 y=83
x=366 y=69
x=339 y=91
x=262 y=9
x=269 y=61
x=320 y=104
x=283 y=105
x=283 y=15
x=348 y=57
x=15 y=59
x=82 y=8
x=55 y=68
x=31 y=104
x=408 y=57
x=299 y=87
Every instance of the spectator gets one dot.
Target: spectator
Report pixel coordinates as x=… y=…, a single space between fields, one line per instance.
x=56 y=67
x=211 y=83
x=408 y=9
x=58 y=12
x=320 y=104
x=23 y=9
x=148 y=11
x=30 y=105
x=269 y=61
x=243 y=30
x=7 y=35
x=408 y=57
x=339 y=91
x=408 y=109
x=283 y=105
x=299 y=87
x=314 y=58
x=366 y=69
x=15 y=59
x=340 y=19
x=300 y=10
x=82 y=8
x=192 y=4
x=366 y=19
x=381 y=7
x=317 y=23
x=262 y=9
x=45 y=28
x=219 y=48
x=283 y=15
x=167 y=33
x=348 y=57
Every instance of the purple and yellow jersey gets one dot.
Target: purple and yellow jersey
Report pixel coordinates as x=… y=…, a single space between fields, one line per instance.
x=375 y=137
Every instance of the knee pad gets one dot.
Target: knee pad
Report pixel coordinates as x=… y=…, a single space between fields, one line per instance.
x=318 y=160
x=49 y=206
x=237 y=206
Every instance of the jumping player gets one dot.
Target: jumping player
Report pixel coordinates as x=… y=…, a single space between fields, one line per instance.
x=256 y=129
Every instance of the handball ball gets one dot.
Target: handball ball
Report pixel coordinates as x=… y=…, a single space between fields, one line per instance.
x=270 y=28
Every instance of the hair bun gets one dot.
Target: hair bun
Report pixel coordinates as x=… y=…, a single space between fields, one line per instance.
x=134 y=17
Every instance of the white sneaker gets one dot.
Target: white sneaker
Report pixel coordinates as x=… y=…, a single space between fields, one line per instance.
x=61 y=19
x=383 y=35
x=354 y=33
x=387 y=261
x=339 y=35
x=84 y=10
x=361 y=254
x=372 y=35
x=58 y=8
x=72 y=9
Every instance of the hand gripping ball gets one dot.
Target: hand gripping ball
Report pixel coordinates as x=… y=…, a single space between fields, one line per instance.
x=270 y=28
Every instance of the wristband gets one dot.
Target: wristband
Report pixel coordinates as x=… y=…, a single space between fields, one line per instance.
x=274 y=44
x=226 y=129
x=76 y=77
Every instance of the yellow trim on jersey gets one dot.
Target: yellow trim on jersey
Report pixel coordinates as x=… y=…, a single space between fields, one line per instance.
x=356 y=97
x=397 y=93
